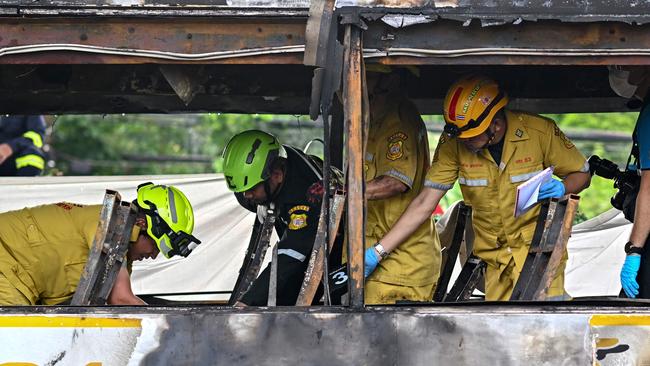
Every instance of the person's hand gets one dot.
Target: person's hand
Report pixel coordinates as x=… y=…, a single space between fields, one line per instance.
x=5 y=152
x=371 y=261
x=551 y=189
x=628 y=275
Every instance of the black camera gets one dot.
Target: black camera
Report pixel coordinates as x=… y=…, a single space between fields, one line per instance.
x=627 y=182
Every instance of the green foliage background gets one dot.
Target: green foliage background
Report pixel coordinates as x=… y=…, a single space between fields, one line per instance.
x=152 y=144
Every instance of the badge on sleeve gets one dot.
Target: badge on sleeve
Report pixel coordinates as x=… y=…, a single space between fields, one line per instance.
x=567 y=143
x=297 y=221
x=396 y=146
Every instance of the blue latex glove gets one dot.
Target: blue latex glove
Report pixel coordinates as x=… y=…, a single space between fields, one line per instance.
x=551 y=189
x=628 y=275
x=371 y=261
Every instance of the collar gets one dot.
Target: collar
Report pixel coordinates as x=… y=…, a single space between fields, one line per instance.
x=516 y=129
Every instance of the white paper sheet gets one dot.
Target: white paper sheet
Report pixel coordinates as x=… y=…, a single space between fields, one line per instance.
x=528 y=192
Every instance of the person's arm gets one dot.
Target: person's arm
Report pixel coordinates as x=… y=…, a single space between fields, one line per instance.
x=121 y=294
x=384 y=187
x=576 y=182
x=417 y=212
x=641 y=227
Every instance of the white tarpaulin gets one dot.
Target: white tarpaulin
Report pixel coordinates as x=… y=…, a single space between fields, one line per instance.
x=595 y=248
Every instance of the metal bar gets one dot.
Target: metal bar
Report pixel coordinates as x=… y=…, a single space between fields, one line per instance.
x=317 y=32
x=452 y=252
x=543 y=42
x=546 y=249
x=466 y=282
x=108 y=251
x=316 y=268
x=352 y=106
x=273 y=278
x=258 y=257
x=248 y=257
x=559 y=246
x=114 y=40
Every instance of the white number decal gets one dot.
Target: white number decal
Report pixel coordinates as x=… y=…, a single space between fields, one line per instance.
x=340 y=278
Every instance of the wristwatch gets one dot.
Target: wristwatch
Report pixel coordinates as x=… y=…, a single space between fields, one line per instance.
x=631 y=249
x=380 y=249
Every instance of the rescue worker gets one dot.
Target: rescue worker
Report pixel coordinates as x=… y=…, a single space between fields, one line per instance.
x=633 y=82
x=262 y=172
x=491 y=150
x=21 y=145
x=396 y=161
x=43 y=249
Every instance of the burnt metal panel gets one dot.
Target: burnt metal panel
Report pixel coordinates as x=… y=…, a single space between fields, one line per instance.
x=490 y=334
x=151 y=40
x=528 y=43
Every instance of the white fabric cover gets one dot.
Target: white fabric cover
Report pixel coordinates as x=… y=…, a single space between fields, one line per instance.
x=595 y=248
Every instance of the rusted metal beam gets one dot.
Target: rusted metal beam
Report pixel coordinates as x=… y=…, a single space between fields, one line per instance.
x=467 y=281
x=453 y=248
x=352 y=106
x=314 y=272
x=251 y=266
x=107 y=252
x=151 y=40
x=526 y=43
x=546 y=249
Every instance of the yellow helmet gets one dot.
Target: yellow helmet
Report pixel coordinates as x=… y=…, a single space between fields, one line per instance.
x=470 y=106
x=170 y=218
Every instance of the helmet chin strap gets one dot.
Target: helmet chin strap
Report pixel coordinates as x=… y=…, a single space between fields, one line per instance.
x=490 y=135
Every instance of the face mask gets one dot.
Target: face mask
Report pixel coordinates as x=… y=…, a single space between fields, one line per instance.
x=618 y=81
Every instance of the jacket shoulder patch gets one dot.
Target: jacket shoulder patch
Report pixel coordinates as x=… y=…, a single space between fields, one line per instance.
x=297 y=221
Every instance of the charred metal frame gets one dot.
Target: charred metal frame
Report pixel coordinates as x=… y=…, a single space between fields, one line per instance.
x=108 y=251
x=546 y=249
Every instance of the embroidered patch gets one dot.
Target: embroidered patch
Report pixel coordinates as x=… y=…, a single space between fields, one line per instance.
x=297 y=221
x=399 y=136
x=460 y=117
x=519 y=133
x=567 y=143
x=395 y=150
x=303 y=207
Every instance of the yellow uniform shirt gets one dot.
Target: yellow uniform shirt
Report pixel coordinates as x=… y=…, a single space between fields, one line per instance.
x=532 y=143
x=44 y=249
x=398 y=147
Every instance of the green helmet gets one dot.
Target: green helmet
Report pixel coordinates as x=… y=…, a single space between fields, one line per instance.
x=170 y=218
x=248 y=157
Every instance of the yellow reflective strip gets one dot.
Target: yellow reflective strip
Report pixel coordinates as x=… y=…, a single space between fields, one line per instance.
x=30 y=160
x=619 y=320
x=35 y=137
x=66 y=322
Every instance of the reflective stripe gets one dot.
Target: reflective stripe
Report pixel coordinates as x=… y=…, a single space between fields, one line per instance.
x=369 y=156
x=172 y=205
x=473 y=182
x=30 y=160
x=163 y=245
x=434 y=185
x=293 y=254
x=37 y=140
x=401 y=176
x=523 y=177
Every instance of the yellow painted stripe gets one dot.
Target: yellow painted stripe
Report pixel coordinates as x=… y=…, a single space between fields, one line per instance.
x=619 y=320
x=66 y=322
